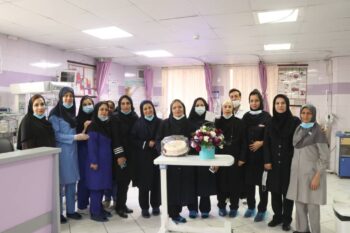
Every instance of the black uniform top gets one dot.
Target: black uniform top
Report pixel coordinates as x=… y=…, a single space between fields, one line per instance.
x=256 y=125
x=278 y=148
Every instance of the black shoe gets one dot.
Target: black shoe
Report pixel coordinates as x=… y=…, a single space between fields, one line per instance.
x=301 y=232
x=286 y=227
x=155 y=211
x=63 y=219
x=128 y=211
x=75 y=216
x=274 y=223
x=145 y=214
x=99 y=218
x=122 y=213
x=106 y=213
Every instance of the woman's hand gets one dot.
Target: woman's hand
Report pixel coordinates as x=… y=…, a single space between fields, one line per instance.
x=240 y=163
x=268 y=166
x=121 y=161
x=255 y=145
x=315 y=182
x=94 y=166
x=81 y=137
x=86 y=124
x=151 y=143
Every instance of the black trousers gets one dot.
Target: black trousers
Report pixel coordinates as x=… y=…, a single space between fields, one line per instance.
x=147 y=196
x=204 y=205
x=282 y=208
x=174 y=210
x=234 y=200
x=122 y=193
x=264 y=195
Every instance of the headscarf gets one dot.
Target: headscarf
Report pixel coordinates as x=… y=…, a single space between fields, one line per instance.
x=178 y=127
x=60 y=111
x=257 y=92
x=283 y=123
x=252 y=120
x=118 y=108
x=312 y=110
x=143 y=104
x=97 y=125
x=83 y=116
x=193 y=115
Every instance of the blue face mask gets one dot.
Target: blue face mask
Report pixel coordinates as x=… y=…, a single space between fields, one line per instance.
x=39 y=116
x=67 y=106
x=149 y=118
x=88 y=109
x=180 y=117
x=200 y=110
x=307 y=125
x=126 y=113
x=102 y=118
x=227 y=116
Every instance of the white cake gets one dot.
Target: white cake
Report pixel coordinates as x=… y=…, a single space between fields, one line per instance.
x=175 y=148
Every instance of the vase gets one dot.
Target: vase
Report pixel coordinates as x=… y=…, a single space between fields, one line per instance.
x=207 y=152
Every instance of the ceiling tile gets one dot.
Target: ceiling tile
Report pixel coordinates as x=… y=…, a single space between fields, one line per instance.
x=209 y=7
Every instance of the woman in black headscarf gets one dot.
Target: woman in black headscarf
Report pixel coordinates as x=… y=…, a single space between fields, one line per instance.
x=35 y=130
x=147 y=174
x=180 y=179
x=205 y=180
x=123 y=120
x=86 y=109
x=255 y=121
x=99 y=160
x=62 y=118
x=278 y=154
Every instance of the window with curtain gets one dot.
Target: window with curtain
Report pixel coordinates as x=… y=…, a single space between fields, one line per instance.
x=185 y=83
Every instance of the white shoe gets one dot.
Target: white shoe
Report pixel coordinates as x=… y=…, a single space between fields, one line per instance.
x=84 y=211
x=106 y=204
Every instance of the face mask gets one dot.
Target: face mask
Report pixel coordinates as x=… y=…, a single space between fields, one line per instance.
x=39 y=116
x=103 y=118
x=307 y=125
x=67 y=106
x=227 y=116
x=126 y=113
x=200 y=110
x=236 y=103
x=88 y=109
x=149 y=118
x=255 y=112
x=179 y=118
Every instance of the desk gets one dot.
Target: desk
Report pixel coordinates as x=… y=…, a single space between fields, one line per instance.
x=190 y=160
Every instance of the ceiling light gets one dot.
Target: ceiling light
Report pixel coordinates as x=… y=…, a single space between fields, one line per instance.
x=269 y=47
x=45 y=64
x=278 y=16
x=129 y=75
x=154 y=53
x=107 y=33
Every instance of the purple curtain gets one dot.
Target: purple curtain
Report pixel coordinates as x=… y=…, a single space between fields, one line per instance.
x=102 y=68
x=208 y=84
x=148 y=76
x=263 y=83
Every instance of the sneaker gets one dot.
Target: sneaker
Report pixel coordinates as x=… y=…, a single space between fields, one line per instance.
x=99 y=218
x=233 y=213
x=106 y=204
x=249 y=213
x=155 y=211
x=222 y=212
x=179 y=219
x=274 y=223
x=75 y=216
x=260 y=216
x=193 y=214
x=83 y=211
x=63 y=219
x=205 y=215
x=145 y=214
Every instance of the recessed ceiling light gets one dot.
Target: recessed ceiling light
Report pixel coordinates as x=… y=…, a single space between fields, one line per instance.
x=269 y=47
x=45 y=64
x=107 y=33
x=278 y=16
x=154 y=53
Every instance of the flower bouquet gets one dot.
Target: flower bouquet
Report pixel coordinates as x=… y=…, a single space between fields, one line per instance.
x=205 y=139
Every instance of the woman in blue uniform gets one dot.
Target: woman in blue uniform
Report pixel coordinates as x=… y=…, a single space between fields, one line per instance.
x=83 y=120
x=62 y=118
x=99 y=161
x=147 y=174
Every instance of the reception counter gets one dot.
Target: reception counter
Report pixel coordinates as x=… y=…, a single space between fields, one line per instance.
x=29 y=191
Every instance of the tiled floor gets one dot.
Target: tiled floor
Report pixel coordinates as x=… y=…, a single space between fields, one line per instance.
x=136 y=224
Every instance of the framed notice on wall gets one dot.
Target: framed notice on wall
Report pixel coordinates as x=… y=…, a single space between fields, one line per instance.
x=85 y=78
x=292 y=80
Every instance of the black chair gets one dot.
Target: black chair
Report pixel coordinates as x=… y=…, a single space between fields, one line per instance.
x=5 y=145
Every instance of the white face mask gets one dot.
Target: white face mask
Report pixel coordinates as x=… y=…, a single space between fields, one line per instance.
x=236 y=103
x=255 y=112
x=200 y=110
x=180 y=117
x=227 y=116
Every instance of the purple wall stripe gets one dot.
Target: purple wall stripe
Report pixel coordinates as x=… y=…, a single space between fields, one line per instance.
x=10 y=77
x=336 y=88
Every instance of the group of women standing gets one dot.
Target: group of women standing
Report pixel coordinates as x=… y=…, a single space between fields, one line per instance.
x=103 y=150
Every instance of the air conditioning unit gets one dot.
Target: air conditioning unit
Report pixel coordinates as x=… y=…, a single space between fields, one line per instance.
x=68 y=76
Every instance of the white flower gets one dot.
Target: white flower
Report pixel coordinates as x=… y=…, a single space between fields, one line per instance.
x=212 y=134
x=221 y=146
x=206 y=138
x=193 y=144
x=195 y=137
